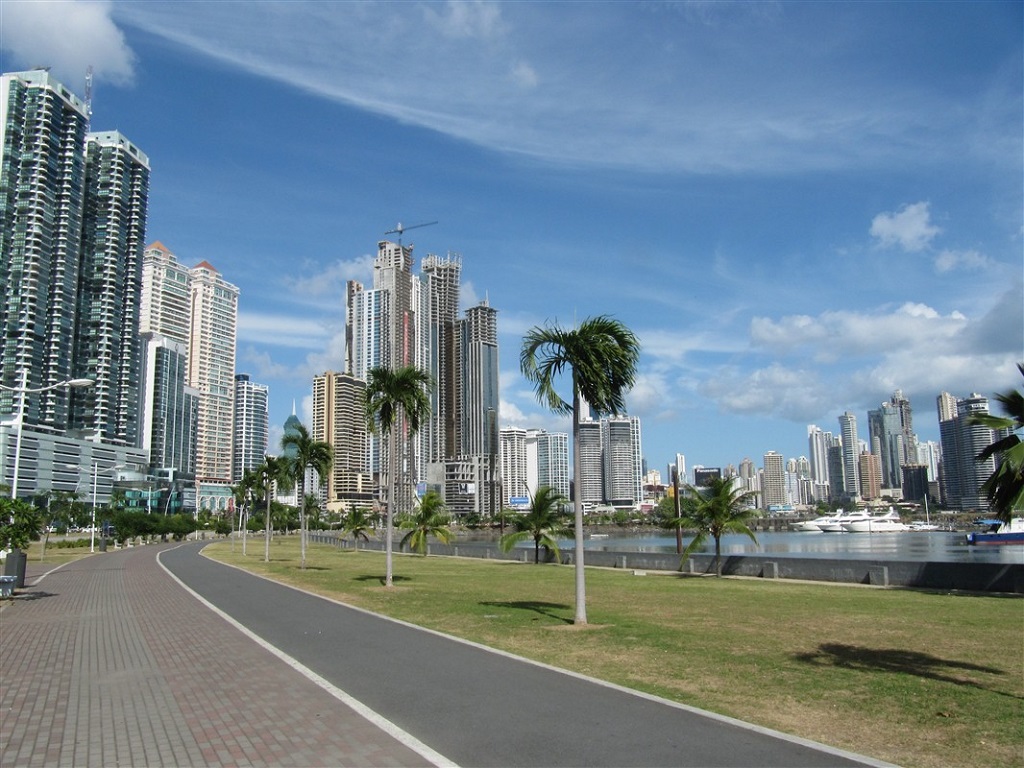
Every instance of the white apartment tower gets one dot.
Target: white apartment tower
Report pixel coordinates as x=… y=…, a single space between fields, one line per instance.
x=211 y=369
x=850 y=456
x=622 y=460
x=166 y=298
x=251 y=433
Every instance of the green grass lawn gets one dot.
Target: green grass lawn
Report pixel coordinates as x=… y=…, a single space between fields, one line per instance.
x=915 y=678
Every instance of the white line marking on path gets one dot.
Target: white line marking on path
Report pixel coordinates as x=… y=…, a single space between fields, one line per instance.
x=404 y=738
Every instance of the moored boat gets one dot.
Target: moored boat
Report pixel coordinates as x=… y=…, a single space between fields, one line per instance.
x=812 y=526
x=887 y=522
x=998 y=532
x=838 y=525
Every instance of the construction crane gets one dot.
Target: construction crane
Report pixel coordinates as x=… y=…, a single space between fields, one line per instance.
x=88 y=91
x=399 y=229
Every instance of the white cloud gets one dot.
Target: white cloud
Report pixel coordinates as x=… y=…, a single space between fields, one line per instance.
x=67 y=37
x=950 y=260
x=281 y=330
x=910 y=227
x=524 y=75
x=462 y=19
x=841 y=334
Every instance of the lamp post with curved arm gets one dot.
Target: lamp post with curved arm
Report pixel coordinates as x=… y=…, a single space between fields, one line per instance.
x=25 y=390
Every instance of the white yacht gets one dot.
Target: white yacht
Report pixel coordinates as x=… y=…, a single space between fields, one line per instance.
x=838 y=525
x=812 y=526
x=887 y=522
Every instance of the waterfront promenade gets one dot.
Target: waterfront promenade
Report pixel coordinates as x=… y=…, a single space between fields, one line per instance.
x=113 y=660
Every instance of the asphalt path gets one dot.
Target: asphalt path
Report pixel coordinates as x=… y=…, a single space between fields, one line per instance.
x=478 y=707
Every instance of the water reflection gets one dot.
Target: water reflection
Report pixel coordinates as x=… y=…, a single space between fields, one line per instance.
x=932 y=546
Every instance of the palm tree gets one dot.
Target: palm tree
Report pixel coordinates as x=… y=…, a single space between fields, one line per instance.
x=602 y=356
x=243 y=494
x=1005 y=486
x=309 y=454
x=431 y=519
x=544 y=521
x=357 y=525
x=716 y=508
x=395 y=400
x=271 y=471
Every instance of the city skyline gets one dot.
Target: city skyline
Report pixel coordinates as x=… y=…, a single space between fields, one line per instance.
x=793 y=229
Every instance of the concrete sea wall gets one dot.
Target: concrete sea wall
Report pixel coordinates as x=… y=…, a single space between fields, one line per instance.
x=973 y=577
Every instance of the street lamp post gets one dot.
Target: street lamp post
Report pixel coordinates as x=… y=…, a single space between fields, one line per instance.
x=22 y=391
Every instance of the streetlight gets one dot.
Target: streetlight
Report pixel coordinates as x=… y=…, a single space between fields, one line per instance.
x=25 y=390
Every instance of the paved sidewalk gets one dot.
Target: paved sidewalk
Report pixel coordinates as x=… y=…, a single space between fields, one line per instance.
x=109 y=662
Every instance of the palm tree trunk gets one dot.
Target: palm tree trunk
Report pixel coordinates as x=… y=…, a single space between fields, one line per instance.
x=718 y=556
x=577 y=465
x=389 y=526
x=302 y=520
x=266 y=533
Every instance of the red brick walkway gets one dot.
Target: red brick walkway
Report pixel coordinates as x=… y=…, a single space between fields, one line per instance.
x=109 y=662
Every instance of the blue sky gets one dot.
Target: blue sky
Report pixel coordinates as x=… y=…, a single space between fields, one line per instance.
x=798 y=207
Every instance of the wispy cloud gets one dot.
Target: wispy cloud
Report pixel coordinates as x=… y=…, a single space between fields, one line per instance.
x=502 y=76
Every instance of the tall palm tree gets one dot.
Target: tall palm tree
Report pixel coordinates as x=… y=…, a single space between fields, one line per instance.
x=272 y=470
x=601 y=355
x=394 y=401
x=309 y=454
x=1005 y=486
x=544 y=522
x=431 y=519
x=718 y=507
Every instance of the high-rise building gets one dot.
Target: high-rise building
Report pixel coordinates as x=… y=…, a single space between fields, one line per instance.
x=107 y=345
x=339 y=420
x=411 y=319
x=851 y=456
x=72 y=218
x=590 y=484
x=531 y=458
x=552 y=450
x=42 y=194
x=622 y=465
x=166 y=296
x=961 y=474
x=211 y=370
x=169 y=409
x=251 y=432
x=678 y=469
x=870 y=469
x=818 y=443
x=515 y=467
x=773 y=488
x=892 y=438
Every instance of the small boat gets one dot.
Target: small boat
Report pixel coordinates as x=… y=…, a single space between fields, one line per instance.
x=920 y=525
x=998 y=532
x=887 y=522
x=838 y=525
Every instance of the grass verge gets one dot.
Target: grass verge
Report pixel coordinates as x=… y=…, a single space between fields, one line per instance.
x=915 y=678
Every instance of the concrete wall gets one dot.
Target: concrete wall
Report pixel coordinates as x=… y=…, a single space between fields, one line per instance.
x=974 y=577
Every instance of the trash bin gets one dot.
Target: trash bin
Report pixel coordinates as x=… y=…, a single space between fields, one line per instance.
x=14 y=566
x=103 y=544
x=6 y=586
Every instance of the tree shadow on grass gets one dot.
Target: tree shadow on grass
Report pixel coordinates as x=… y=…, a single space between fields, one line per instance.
x=538 y=606
x=901 y=661
x=395 y=578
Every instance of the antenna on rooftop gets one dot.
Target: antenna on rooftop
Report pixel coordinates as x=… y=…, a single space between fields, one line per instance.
x=399 y=229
